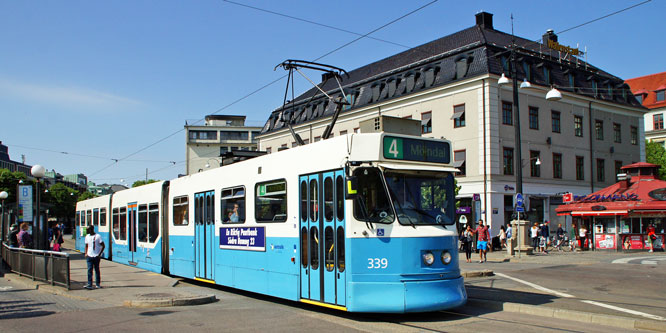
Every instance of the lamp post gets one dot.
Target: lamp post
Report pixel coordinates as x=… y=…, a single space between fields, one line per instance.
x=38 y=172
x=3 y=196
x=219 y=163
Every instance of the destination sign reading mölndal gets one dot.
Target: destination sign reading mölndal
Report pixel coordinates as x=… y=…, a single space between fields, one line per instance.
x=416 y=150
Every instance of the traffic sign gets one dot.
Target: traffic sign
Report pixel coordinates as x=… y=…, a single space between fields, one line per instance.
x=519 y=200
x=520 y=209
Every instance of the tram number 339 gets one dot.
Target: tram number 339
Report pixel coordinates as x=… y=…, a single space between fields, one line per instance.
x=377 y=263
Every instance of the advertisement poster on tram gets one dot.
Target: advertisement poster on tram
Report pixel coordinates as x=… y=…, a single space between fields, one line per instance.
x=604 y=242
x=632 y=242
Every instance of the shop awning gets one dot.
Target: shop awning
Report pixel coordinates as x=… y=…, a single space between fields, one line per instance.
x=457 y=114
x=599 y=212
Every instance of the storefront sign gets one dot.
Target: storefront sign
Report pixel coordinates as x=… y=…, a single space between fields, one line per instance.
x=611 y=197
x=559 y=47
x=632 y=242
x=567 y=197
x=463 y=210
x=248 y=239
x=604 y=242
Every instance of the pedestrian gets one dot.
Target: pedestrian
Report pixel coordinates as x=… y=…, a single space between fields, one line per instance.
x=573 y=237
x=582 y=234
x=509 y=232
x=467 y=238
x=24 y=238
x=651 y=236
x=482 y=241
x=534 y=234
x=57 y=239
x=13 y=232
x=94 y=250
x=545 y=237
x=560 y=236
x=502 y=237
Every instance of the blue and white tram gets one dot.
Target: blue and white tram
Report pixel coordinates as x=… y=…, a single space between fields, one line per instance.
x=359 y=222
x=92 y=212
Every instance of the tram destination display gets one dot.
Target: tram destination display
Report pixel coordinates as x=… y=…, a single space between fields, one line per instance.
x=396 y=148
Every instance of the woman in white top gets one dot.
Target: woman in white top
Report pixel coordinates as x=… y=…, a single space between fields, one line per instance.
x=582 y=234
x=534 y=233
x=502 y=237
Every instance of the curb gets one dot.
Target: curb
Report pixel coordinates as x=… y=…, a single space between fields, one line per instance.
x=471 y=274
x=579 y=316
x=166 y=302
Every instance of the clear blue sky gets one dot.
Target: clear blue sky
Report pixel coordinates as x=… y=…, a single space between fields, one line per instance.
x=108 y=78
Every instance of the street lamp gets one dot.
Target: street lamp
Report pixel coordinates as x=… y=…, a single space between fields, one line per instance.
x=38 y=172
x=3 y=196
x=219 y=164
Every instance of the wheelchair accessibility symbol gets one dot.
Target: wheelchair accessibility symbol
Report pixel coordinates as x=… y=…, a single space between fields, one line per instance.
x=380 y=232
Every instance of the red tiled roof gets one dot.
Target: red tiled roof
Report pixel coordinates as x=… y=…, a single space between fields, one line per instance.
x=648 y=85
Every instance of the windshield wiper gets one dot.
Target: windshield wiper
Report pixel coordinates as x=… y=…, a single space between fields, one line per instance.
x=366 y=217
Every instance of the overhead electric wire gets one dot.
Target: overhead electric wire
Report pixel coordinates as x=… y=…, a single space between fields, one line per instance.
x=83 y=155
x=603 y=17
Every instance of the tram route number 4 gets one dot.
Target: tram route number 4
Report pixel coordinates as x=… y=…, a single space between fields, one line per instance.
x=377 y=263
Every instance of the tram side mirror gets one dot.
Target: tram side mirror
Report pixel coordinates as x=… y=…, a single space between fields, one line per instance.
x=352 y=186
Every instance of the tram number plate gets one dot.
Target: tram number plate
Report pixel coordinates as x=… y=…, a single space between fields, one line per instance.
x=377 y=263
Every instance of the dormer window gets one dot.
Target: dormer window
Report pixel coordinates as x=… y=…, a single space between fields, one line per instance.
x=660 y=95
x=639 y=98
x=528 y=72
x=546 y=75
x=572 y=80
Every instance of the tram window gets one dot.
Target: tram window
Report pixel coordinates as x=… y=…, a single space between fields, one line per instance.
x=232 y=205
x=115 y=217
x=314 y=202
x=422 y=198
x=328 y=199
x=210 y=206
x=96 y=217
x=89 y=217
x=340 y=197
x=123 y=223
x=372 y=203
x=304 y=247
x=329 y=247
x=180 y=208
x=314 y=248
x=77 y=219
x=153 y=222
x=340 y=242
x=304 y=201
x=271 y=201
x=102 y=217
x=143 y=223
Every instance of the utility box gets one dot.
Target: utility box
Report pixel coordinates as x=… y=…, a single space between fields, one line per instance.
x=391 y=125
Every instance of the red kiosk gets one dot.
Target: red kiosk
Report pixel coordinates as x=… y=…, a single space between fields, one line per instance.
x=619 y=217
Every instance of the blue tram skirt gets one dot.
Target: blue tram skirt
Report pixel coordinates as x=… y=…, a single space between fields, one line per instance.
x=408 y=296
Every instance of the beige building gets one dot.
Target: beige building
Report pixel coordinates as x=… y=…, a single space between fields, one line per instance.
x=575 y=144
x=650 y=90
x=207 y=144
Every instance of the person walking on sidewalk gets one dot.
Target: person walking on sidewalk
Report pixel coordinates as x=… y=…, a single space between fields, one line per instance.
x=482 y=240
x=651 y=236
x=582 y=234
x=534 y=234
x=560 y=236
x=467 y=238
x=545 y=237
x=94 y=250
x=502 y=237
x=23 y=237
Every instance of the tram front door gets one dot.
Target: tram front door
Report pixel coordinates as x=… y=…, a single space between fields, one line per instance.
x=204 y=234
x=131 y=229
x=322 y=237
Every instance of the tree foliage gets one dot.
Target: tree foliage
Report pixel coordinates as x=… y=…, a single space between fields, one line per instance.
x=8 y=182
x=62 y=200
x=656 y=154
x=86 y=195
x=143 y=182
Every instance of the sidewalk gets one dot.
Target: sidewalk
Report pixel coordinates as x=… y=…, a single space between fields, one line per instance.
x=121 y=285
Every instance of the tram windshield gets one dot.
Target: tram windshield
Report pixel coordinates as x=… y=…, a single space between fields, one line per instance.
x=372 y=203
x=422 y=197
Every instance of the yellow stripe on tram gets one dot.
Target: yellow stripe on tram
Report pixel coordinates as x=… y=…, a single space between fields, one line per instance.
x=204 y=280
x=330 y=306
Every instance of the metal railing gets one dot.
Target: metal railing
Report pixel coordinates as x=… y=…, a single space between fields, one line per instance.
x=47 y=266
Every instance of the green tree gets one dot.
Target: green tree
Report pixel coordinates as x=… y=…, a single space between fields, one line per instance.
x=143 y=182
x=656 y=154
x=62 y=200
x=86 y=195
x=8 y=182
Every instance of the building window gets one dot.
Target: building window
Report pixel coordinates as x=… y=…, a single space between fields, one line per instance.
x=357 y=130
x=617 y=132
x=426 y=122
x=528 y=72
x=546 y=75
x=609 y=88
x=203 y=135
x=555 y=117
x=557 y=165
x=618 y=168
x=459 y=116
x=595 y=87
x=268 y=150
x=572 y=80
x=317 y=138
x=534 y=118
x=658 y=121
x=578 y=126
x=507 y=113
x=459 y=156
x=234 y=135
x=599 y=129
x=601 y=176
x=508 y=161
x=343 y=133
x=634 y=135
x=505 y=64
x=407 y=117
x=580 y=168
x=639 y=98
x=535 y=169
x=660 y=95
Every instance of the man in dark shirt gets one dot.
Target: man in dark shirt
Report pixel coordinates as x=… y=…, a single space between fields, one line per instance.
x=482 y=240
x=560 y=236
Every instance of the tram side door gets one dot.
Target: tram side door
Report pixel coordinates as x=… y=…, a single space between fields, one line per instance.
x=320 y=278
x=204 y=233
x=131 y=230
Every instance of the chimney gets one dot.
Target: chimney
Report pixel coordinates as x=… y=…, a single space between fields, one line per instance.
x=624 y=180
x=549 y=35
x=484 y=20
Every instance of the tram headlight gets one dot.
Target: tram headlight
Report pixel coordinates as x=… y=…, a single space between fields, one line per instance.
x=446 y=257
x=428 y=258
